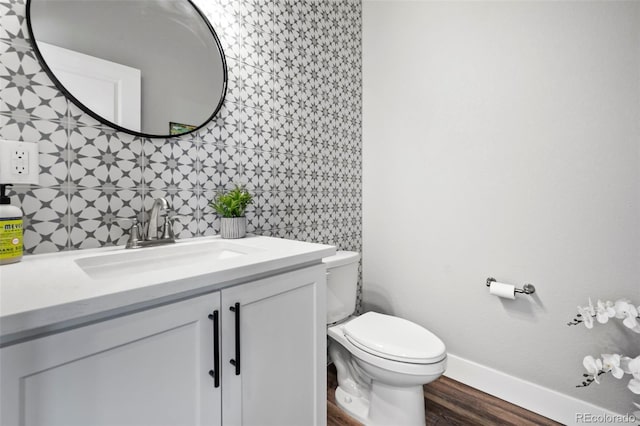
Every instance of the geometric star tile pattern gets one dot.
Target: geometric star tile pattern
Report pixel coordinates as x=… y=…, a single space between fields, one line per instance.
x=290 y=129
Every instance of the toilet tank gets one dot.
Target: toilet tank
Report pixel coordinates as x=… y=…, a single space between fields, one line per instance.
x=342 y=284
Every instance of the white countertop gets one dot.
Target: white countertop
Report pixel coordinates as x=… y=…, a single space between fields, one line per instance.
x=46 y=292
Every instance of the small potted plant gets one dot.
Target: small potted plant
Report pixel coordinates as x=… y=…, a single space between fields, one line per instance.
x=231 y=207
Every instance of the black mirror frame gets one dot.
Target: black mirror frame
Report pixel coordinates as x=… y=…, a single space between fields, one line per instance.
x=104 y=121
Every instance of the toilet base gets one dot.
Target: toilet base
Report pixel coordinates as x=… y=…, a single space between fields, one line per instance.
x=403 y=407
x=356 y=407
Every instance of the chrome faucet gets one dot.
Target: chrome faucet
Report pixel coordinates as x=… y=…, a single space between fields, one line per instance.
x=157 y=233
x=153 y=228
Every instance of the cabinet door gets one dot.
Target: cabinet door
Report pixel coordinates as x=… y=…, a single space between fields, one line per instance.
x=147 y=368
x=281 y=376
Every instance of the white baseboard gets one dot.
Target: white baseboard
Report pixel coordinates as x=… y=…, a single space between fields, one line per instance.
x=546 y=402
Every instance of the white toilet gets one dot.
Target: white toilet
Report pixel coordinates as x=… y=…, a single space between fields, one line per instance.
x=382 y=360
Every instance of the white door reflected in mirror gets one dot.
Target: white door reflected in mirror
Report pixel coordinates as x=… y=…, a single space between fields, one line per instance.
x=183 y=70
x=111 y=90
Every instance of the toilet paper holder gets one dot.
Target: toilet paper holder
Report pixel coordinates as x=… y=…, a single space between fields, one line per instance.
x=526 y=289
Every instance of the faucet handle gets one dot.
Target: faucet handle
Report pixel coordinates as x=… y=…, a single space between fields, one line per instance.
x=135 y=233
x=167 y=231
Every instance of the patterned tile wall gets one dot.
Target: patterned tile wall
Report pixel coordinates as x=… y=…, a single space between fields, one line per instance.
x=290 y=130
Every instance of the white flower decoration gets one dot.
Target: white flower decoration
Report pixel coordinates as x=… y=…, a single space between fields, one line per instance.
x=611 y=362
x=631 y=320
x=587 y=314
x=622 y=306
x=616 y=364
x=633 y=367
x=604 y=311
x=624 y=364
x=593 y=366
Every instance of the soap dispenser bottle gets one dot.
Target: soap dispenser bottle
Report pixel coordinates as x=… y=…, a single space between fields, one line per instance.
x=10 y=229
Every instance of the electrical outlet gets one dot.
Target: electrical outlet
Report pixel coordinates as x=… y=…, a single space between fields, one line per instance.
x=18 y=162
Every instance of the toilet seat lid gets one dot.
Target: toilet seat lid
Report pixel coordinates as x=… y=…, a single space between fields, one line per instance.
x=394 y=338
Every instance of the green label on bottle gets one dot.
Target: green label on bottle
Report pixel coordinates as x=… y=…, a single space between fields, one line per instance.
x=10 y=238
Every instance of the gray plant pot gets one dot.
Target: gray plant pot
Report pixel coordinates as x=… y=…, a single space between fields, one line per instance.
x=233 y=227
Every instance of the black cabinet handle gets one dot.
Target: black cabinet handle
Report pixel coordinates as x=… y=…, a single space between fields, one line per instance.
x=236 y=362
x=215 y=373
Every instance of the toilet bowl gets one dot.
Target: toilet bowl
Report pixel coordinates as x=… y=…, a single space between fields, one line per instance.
x=382 y=361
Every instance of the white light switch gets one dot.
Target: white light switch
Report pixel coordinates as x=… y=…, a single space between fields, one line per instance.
x=18 y=162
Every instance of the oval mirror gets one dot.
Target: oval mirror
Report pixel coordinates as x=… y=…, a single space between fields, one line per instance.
x=152 y=68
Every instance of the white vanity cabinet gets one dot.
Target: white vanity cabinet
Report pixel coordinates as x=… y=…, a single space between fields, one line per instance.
x=145 y=368
x=281 y=379
x=157 y=366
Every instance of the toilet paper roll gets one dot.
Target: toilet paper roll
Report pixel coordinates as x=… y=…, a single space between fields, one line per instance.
x=507 y=291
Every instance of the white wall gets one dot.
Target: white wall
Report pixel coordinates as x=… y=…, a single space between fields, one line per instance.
x=502 y=139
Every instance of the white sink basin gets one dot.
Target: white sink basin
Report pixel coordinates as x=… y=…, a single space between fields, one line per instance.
x=152 y=259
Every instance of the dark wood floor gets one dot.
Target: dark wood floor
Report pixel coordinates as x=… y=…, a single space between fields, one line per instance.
x=449 y=403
